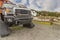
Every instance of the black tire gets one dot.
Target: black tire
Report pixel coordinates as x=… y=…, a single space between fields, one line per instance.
x=9 y=24
x=4 y=30
x=29 y=25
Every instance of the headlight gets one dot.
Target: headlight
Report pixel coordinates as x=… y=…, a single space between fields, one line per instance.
x=9 y=20
x=7 y=10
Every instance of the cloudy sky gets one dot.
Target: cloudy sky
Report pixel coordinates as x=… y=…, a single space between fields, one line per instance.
x=47 y=5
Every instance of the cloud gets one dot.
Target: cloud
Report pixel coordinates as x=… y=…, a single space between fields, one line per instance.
x=48 y=5
x=35 y=4
x=57 y=9
x=58 y=6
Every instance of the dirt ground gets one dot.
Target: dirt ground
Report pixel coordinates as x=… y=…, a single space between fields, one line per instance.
x=39 y=32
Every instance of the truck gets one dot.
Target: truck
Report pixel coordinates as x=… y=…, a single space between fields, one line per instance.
x=15 y=15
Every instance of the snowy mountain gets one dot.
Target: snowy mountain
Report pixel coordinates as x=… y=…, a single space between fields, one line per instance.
x=47 y=5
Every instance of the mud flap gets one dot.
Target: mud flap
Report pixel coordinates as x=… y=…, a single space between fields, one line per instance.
x=4 y=31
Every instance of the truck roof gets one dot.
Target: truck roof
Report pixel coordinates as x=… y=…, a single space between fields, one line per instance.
x=22 y=8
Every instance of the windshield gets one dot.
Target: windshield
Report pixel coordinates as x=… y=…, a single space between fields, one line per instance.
x=8 y=5
x=21 y=11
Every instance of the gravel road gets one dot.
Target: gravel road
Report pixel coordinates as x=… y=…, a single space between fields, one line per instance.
x=39 y=32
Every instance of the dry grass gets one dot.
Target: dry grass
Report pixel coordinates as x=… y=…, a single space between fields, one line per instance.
x=16 y=27
x=34 y=21
x=39 y=22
